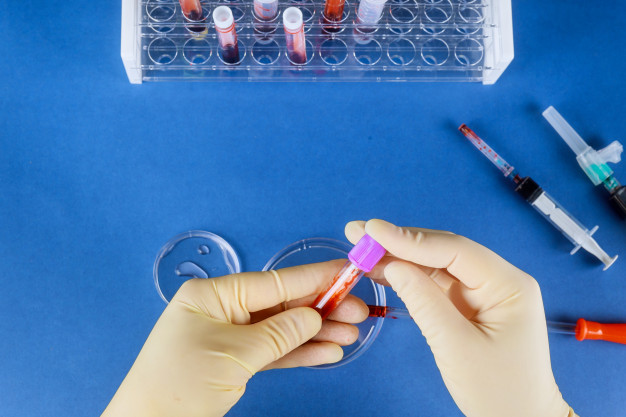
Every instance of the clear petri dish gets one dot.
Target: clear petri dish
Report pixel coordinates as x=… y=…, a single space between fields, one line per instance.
x=320 y=249
x=193 y=254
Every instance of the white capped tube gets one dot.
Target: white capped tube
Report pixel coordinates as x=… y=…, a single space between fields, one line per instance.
x=266 y=9
x=226 y=33
x=225 y=26
x=294 y=35
x=370 y=11
x=578 y=234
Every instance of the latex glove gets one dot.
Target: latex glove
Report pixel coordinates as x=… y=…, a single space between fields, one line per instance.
x=204 y=349
x=482 y=318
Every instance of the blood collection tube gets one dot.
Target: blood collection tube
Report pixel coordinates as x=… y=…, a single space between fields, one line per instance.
x=362 y=258
x=369 y=12
x=294 y=35
x=265 y=9
x=333 y=10
x=192 y=9
x=226 y=34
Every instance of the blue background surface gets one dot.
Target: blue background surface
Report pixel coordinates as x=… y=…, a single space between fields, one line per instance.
x=97 y=174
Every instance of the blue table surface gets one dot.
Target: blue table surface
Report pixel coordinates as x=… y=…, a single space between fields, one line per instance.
x=97 y=174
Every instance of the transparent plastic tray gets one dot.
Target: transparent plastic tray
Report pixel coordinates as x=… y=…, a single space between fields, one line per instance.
x=415 y=40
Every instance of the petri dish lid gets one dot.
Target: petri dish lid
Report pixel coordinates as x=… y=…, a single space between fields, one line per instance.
x=321 y=249
x=193 y=254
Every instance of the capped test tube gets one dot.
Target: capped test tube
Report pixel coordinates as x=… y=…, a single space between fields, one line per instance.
x=265 y=9
x=294 y=35
x=361 y=259
x=226 y=34
x=369 y=12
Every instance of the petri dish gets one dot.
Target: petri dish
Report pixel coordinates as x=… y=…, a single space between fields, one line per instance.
x=193 y=254
x=321 y=249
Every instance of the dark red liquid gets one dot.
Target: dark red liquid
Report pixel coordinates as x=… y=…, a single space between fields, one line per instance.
x=193 y=11
x=297 y=58
x=230 y=54
x=333 y=10
x=379 y=311
x=326 y=308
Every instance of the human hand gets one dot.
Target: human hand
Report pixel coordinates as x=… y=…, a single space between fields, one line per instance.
x=216 y=333
x=482 y=317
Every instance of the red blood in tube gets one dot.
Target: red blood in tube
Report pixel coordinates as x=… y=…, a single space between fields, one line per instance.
x=333 y=10
x=192 y=9
x=377 y=311
x=230 y=54
x=337 y=297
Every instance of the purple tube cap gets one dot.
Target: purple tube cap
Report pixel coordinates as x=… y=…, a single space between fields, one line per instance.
x=366 y=253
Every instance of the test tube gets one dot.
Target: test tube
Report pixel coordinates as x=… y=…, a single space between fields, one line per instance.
x=369 y=12
x=266 y=9
x=362 y=258
x=192 y=9
x=226 y=34
x=333 y=10
x=294 y=35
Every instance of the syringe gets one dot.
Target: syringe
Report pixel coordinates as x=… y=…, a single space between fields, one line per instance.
x=592 y=162
x=578 y=234
x=582 y=329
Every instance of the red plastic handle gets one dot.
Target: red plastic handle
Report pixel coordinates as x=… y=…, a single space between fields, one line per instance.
x=590 y=330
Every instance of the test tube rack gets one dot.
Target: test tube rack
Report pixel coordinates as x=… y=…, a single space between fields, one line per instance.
x=415 y=40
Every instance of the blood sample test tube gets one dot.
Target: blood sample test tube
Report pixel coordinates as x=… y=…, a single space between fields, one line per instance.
x=361 y=259
x=369 y=12
x=294 y=35
x=192 y=9
x=333 y=10
x=265 y=9
x=226 y=34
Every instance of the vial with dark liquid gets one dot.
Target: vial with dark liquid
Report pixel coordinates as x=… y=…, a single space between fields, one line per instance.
x=226 y=34
x=294 y=35
x=192 y=10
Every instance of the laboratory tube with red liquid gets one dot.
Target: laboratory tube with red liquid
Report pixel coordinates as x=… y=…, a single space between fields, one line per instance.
x=361 y=259
x=333 y=10
x=294 y=35
x=192 y=10
x=226 y=34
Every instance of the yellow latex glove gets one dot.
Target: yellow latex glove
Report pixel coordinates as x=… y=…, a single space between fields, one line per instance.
x=482 y=318
x=216 y=333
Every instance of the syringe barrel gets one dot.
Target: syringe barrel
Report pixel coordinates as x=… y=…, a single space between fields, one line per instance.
x=370 y=11
x=571 y=228
x=560 y=218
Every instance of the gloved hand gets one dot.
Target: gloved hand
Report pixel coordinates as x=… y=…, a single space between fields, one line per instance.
x=216 y=333
x=482 y=318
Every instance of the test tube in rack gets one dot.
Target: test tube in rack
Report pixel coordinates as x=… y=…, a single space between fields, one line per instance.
x=294 y=35
x=226 y=33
